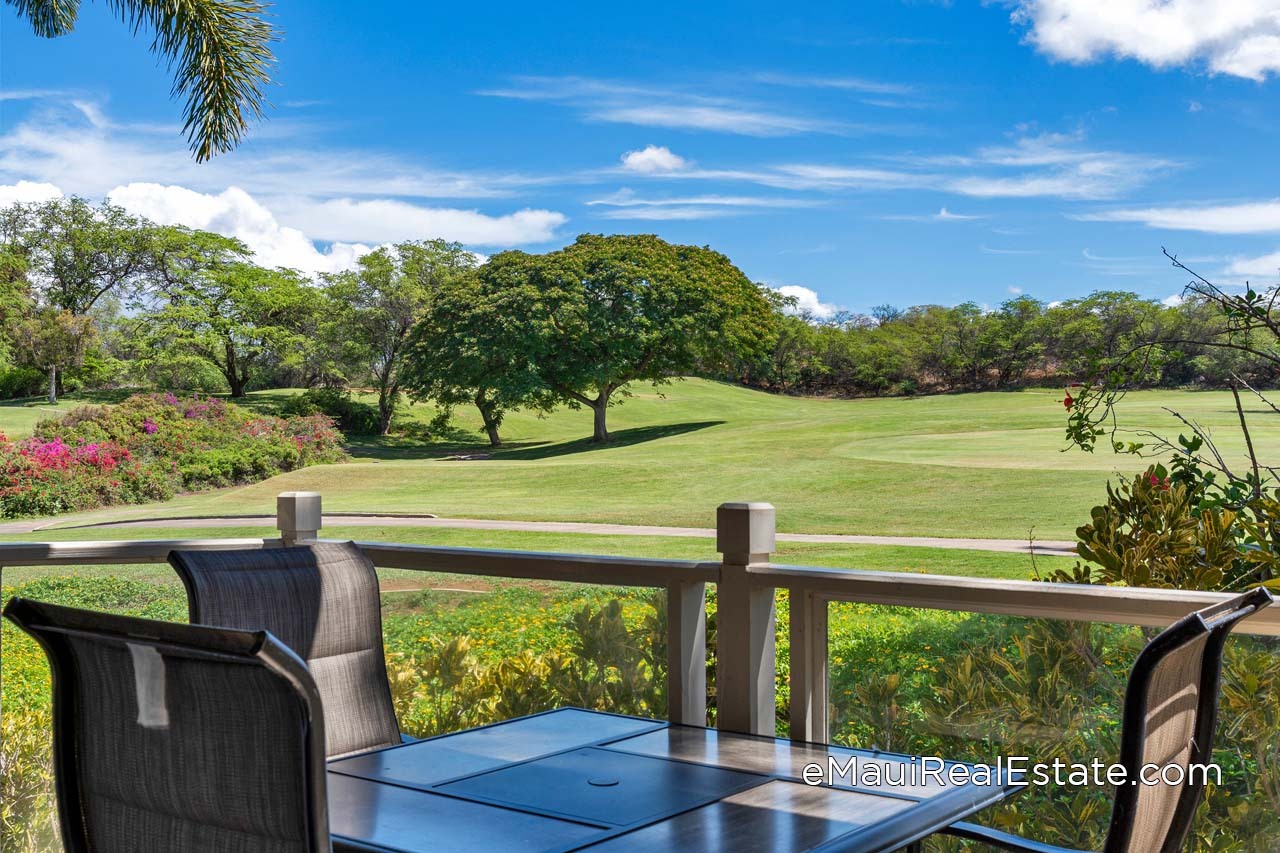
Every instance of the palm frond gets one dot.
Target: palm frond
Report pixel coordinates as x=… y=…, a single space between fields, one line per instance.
x=220 y=49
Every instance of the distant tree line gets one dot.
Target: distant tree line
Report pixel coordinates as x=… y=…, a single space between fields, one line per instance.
x=93 y=297
x=1022 y=342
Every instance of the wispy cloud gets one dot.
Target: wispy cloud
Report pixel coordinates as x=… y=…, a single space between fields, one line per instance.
x=942 y=215
x=848 y=84
x=626 y=204
x=1048 y=165
x=77 y=146
x=1123 y=265
x=280 y=200
x=1255 y=217
x=990 y=250
x=1053 y=164
x=677 y=108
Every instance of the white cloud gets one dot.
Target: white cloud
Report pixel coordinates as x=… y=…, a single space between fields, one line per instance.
x=1173 y=300
x=807 y=302
x=280 y=201
x=988 y=250
x=1259 y=217
x=75 y=145
x=653 y=160
x=671 y=107
x=724 y=119
x=1016 y=291
x=1149 y=266
x=234 y=213
x=26 y=192
x=1235 y=37
x=943 y=215
x=1194 y=106
x=384 y=220
x=1267 y=266
x=632 y=206
x=851 y=84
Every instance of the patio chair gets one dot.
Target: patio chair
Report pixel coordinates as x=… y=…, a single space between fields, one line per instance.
x=1170 y=713
x=322 y=602
x=179 y=737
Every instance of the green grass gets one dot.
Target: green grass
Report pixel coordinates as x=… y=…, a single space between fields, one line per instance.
x=973 y=465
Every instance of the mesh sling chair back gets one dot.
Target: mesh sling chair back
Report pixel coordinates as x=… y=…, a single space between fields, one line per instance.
x=179 y=737
x=320 y=600
x=1170 y=714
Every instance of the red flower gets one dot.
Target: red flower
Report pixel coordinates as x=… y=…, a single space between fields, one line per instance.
x=1068 y=401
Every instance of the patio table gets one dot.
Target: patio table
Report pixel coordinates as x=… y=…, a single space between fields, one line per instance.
x=583 y=780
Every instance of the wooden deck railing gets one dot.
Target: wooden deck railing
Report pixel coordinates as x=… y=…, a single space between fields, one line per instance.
x=746 y=583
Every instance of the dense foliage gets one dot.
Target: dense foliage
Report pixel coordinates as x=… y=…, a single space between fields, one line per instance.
x=150 y=447
x=933 y=348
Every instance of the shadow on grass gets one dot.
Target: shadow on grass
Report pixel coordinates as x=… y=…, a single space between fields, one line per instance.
x=621 y=438
x=459 y=441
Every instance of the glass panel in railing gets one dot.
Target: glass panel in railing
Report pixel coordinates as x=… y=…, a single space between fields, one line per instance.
x=464 y=650
x=1047 y=695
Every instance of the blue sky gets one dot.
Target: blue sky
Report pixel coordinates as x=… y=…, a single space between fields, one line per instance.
x=871 y=152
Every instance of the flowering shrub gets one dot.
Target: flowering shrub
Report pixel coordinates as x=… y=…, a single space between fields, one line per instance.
x=150 y=447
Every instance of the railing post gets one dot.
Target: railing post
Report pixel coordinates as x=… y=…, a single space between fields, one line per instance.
x=745 y=621
x=687 y=653
x=808 y=665
x=298 y=517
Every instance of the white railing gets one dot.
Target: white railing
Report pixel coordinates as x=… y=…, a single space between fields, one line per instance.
x=746 y=583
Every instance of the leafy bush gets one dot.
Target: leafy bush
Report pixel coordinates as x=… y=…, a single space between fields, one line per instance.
x=1052 y=689
x=150 y=447
x=16 y=382
x=352 y=416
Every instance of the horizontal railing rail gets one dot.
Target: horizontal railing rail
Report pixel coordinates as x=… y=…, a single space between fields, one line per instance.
x=746 y=582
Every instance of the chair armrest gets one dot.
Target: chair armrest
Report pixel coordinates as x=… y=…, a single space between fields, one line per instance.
x=1003 y=840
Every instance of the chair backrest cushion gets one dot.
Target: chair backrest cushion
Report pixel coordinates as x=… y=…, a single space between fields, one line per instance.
x=320 y=600
x=176 y=737
x=1170 y=715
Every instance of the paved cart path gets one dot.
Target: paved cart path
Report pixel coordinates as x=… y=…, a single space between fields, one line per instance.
x=1047 y=547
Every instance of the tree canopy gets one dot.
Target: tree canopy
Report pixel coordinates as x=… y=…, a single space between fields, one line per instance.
x=216 y=305
x=606 y=311
x=375 y=306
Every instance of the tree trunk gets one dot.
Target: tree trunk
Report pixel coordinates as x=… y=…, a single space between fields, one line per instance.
x=488 y=415
x=599 y=407
x=232 y=372
x=385 y=411
x=53 y=385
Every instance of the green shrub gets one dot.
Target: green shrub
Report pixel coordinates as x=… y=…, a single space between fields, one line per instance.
x=18 y=382
x=148 y=448
x=351 y=416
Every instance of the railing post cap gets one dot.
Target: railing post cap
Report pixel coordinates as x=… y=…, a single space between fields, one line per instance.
x=745 y=531
x=298 y=514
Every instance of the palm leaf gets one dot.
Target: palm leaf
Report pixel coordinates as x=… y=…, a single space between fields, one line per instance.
x=219 y=50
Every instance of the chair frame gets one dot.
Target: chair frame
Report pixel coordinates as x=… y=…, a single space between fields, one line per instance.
x=258 y=648
x=1217 y=622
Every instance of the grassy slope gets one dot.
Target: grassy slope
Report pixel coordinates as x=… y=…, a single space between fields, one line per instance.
x=975 y=465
